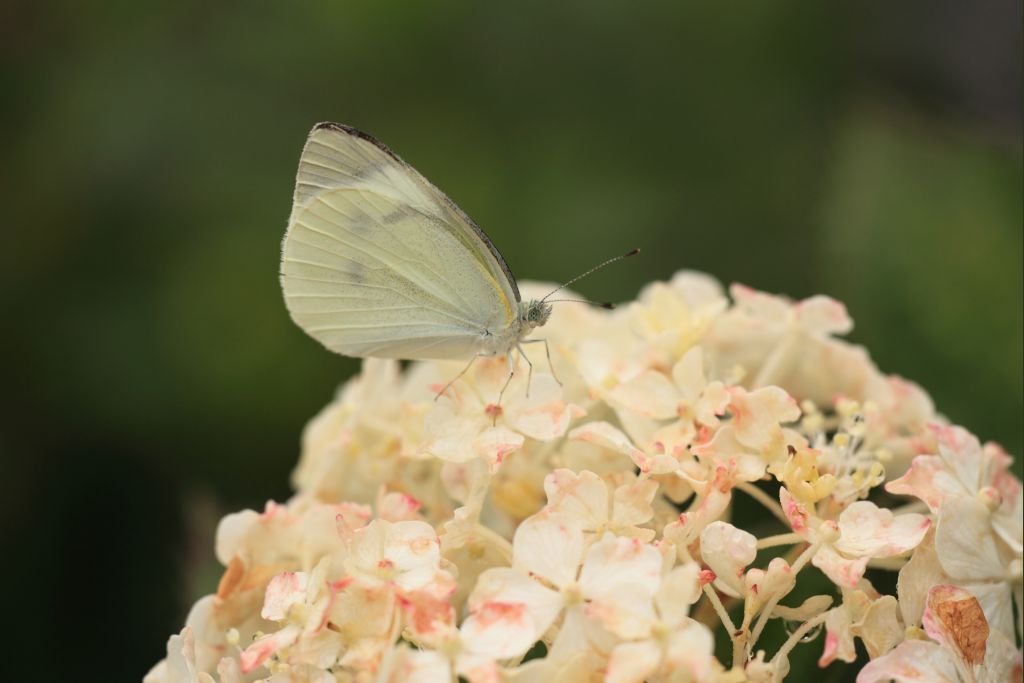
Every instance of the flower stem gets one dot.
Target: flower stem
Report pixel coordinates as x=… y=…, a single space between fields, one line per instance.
x=779 y=539
x=797 y=636
x=769 y=607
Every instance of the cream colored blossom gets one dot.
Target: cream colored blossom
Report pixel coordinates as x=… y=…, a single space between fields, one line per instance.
x=611 y=583
x=962 y=647
x=673 y=647
x=863 y=531
x=875 y=620
x=592 y=520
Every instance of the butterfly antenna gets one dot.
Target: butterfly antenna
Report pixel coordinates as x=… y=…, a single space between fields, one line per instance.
x=599 y=266
x=600 y=304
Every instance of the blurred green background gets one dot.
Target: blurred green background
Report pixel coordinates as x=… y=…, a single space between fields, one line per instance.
x=869 y=150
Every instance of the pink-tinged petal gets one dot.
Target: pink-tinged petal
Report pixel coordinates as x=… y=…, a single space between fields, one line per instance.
x=759 y=304
x=679 y=589
x=954 y=618
x=964 y=542
x=494 y=444
x=838 y=638
x=633 y=503
x=881 y=629
x=544 y=415
x=451 y=436
x=430 y=617
x=396 y=506
x=508 y=613
x=364 y=610
x=870 y=531
x=633 y=662
x=414 y=553
x=258 y=537
x=962 y=454
x=712 y=404
x=756 y=415
x=616 y=562
x=628 y=612
x=550 y=547
x=727 y=551
x=687 y=528
x=823 y=315
x=794 y=511
x=912 y=661
x=844 y=573
x=406 y=665
x=920 y=480
x=619 y=578
x=915 y=579
x=262 y=649
x=650 y=394
x=579 y=651
x=928 y=480
x=726 y=450
x=580 y=497
x=606 y=436
x=284 y=591
x=762 y=584
x=691 y=651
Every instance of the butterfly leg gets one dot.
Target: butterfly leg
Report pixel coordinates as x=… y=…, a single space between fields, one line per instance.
x=529 y=374
x=547 y=352
x=456 y=378
x=511 y=374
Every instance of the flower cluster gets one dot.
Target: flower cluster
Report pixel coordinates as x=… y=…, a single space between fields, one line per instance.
x=585 y=527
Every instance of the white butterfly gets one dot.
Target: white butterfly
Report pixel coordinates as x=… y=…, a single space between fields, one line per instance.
x=379 y=262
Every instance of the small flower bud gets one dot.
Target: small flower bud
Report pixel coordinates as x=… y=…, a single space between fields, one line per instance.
x=991 y=498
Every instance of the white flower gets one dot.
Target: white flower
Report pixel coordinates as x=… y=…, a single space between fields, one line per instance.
x=963 y=648
x=863 y=531
x=612 y=582
x=446 y=525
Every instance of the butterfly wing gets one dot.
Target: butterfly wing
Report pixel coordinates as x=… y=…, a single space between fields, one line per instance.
x=379 y=262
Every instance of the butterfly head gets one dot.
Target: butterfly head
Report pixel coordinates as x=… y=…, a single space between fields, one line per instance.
x=534 y=314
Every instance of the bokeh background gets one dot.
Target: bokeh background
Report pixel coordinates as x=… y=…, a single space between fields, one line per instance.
x=868 y=150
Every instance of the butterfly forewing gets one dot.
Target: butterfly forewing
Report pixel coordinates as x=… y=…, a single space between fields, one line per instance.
x=378 y=262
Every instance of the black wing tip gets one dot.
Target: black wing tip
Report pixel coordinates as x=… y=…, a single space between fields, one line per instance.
x=347 y=130
x=340 y=128
x=356 y=133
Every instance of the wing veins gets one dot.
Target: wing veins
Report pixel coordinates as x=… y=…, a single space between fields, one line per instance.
x=468 y=323
x=378 y=326
x=421 y=285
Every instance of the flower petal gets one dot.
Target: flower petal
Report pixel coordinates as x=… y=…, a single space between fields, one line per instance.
x=549 y=547
x=964 y=541
x=727 y=551
x=870 y=531
x=913 y=660
x=508 y=613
